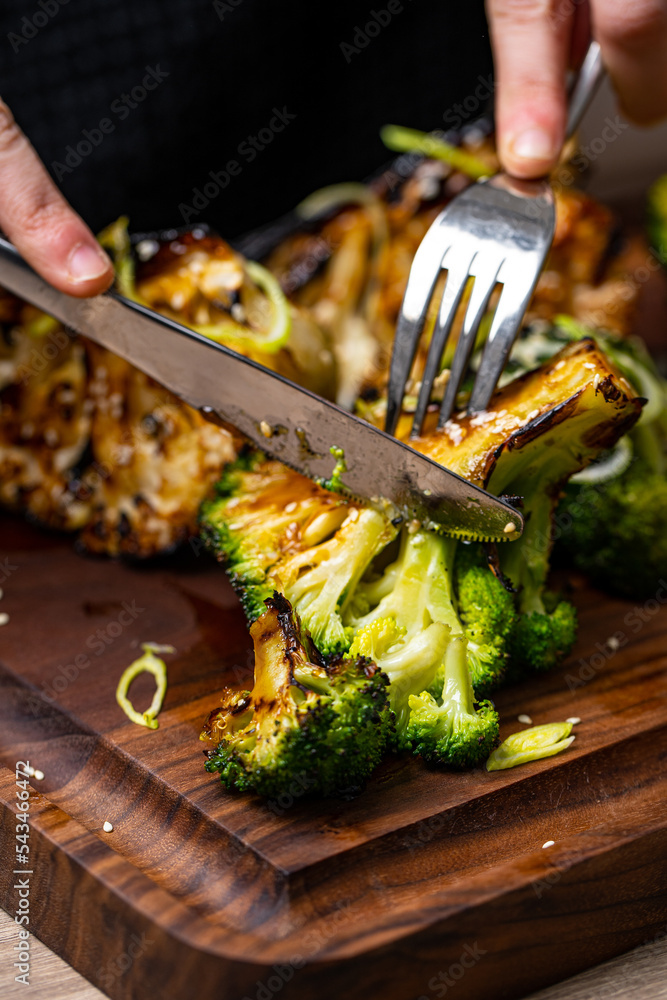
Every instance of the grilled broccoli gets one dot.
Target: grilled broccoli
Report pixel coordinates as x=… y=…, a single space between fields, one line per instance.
x=539 y=430
x=325 y=724
x=657 y=217
x=489 y=617
x=426 y=608
x=612 y=520
x=451 y=729
x=279 y=531
x=408 y=626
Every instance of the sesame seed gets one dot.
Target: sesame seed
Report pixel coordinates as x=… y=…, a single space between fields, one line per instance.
x=4 y=618
x=510 y=528
x=573 y=720
x=290 y=506
x=108 y=827
x=526 y=719
x=265 y=428
x=548 y=843
x=39 y=775
x=613 y=642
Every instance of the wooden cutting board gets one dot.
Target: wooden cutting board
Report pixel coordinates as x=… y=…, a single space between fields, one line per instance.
x=428 y=883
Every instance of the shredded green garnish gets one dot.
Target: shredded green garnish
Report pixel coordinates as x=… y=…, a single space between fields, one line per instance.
x=277 y=335
x=531 y=744
x=116 y=238
x=147 y=663
x=410 y=140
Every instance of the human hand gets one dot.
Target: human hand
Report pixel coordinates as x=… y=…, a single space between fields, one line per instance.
x=39 y=222
x=534 y=41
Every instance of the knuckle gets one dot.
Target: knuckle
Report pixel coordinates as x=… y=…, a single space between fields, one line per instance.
x=11 y=137
x=523 y=13
x=639 y=25
x=41 y=213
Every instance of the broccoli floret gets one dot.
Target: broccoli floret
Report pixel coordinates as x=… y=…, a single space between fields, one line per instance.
x=404 y=618
x=321 y=580
x=410 y=618
x=616 y=531
x=324 y=726
x=612 y=520
x=488 y=614
x=277 y=530
x=451 y=730
x=540 y=640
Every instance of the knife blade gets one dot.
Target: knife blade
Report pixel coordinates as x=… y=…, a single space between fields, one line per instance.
x=285 y=421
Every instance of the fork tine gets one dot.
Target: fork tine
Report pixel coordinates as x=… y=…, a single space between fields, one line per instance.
x=513 y=303
x=457 y=277
x=485 y=281
x=424 y=273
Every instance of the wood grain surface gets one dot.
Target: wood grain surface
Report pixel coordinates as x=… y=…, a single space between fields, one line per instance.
x=424 y=876
x=640 y=973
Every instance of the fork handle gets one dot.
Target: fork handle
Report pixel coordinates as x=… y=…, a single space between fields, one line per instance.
x=588 y=80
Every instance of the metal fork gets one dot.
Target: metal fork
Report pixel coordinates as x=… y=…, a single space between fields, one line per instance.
x=497 y=231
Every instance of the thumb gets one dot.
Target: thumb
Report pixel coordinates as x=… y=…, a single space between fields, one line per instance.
x=530 y=44
x=37 y=219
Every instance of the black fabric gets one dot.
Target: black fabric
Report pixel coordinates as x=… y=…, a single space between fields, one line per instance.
x=227 y=67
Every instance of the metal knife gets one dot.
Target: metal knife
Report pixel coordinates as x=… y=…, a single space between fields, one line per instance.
x=285 y=421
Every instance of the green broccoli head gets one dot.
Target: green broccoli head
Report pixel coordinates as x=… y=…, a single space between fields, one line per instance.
x=616 y=530
x=488 y=613
x=540 y=640
x=324 y=725
x=450 y=730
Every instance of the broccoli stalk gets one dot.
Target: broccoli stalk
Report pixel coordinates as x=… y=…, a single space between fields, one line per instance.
x=451 y=729
x=406 y=620
x=326 y=725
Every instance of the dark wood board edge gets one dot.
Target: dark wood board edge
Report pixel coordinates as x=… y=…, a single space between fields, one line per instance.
x=135 y=942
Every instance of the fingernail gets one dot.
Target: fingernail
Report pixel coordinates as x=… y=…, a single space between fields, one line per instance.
x=534 y=144
x=87 y=262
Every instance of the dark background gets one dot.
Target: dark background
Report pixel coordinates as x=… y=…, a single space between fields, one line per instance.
x=228 y=69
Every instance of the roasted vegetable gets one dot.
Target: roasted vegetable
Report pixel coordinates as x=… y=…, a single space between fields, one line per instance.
x=422 y=605
x=451 y=729
x=278 y=531
x=325 y=724
x=657 y=218
x=197 y=279
x=612 y=521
